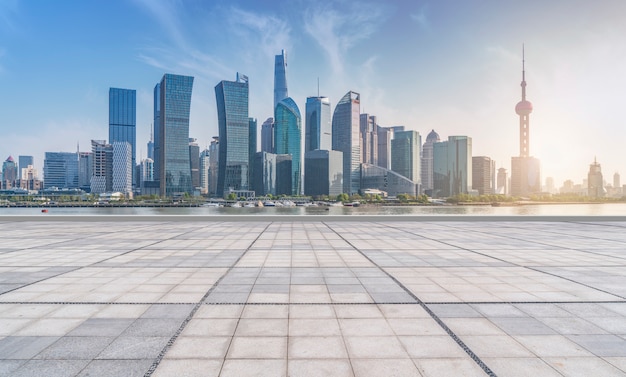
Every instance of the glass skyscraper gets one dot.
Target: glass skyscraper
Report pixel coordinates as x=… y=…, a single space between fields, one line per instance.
x=156 y=149
x=318 y=126
x=346 y=138
x=234 y=134
x=123 y=120
x=280 y=78
x=173 y=140
x=60 y=169
x=405 y=154
x=267 y=136
x=288 y=139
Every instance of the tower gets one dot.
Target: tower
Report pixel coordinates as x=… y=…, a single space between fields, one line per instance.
x=280 y=78
x=525 y=170
x=346 y=138
x=288 y=139
x=122 y=120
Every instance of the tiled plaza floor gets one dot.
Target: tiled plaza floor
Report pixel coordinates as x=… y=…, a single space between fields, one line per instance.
x=314 y=298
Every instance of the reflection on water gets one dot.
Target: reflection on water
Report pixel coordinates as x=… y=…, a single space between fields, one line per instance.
x=606 y=209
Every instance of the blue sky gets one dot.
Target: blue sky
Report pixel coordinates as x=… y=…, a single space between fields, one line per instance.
x=452 y=66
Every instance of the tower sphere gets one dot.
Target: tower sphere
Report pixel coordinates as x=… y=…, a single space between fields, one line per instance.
x=524 y=107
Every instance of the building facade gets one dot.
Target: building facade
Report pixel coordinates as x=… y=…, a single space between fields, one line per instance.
x=427 y=162
x=288 y=139
x=194 y=163
x=122 y=168
x=234 y=133
x=60 y=169
x=24 y=162
x=379 y=178
x=385 y=135
x=267 y=136
x=346 y=139
x=483 y=173
x=123 y=119
x=280 y=78
x=318 y=127
x=369 y=139
x=85 y=170
x=214 y=155
x=252 y=143
x=173 y=154
x=9 y=173
x=204 y=172
x=405 y=154
x=157 y=131
x=595 y=183
x=323 y=173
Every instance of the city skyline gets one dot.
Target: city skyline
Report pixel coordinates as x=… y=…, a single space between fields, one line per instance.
x=460 y=78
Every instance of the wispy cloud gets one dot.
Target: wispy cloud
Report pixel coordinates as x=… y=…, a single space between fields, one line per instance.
x=264 y=33
x=421 y=17
x=167 y=13
x=8 y=11
x=339 y=27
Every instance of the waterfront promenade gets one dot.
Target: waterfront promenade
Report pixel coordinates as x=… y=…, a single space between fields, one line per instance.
x=312 y=296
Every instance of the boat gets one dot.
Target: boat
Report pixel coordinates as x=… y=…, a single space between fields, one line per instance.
x=236 y=205
x=269 y=203
x=249 y=205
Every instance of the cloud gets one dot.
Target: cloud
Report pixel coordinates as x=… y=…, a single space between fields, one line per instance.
x=338 y=30
x=8 y=11
x=167 y=13
x=263 y=34
x=421 y=17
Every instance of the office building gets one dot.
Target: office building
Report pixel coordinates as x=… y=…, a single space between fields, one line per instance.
x=267 y=136
x=369 y=139
x=288 y=139
x=194 y=163
x=385 y=135
x=483 y=173
x=173 y=141
x=234 y=133
x=102 y=171
x=323 y=173
x=252 y=143
x=405 y=154
x=157 y=131
x=374 y=177
x=345 y=135
x=427 y=162
x=122 y=168
x=214 y=155
x=284 y=174
x=123 y=119
x=150 y=146
x=595 y=183
x=452 y=166
x=24 y=162
x=525 y=169
x=60 y=170
x=502 y=179
x=280 y=78
x=204 y=172
x=85 y=170
x=318 y=126
x=264 y=180
x=9 y=173
x=147 y=171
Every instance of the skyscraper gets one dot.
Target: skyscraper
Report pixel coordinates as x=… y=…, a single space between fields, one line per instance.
x=280 y=78
x=345 y=135
x=122 y=168
x=252 y=136
x=323 y=173
x=85 y=170
x=318 y=127
x=23 y=162
x=123 y=119
x=267 y=136
x=427 y=162
x=288 y=139
x=525 y=170
x=501 y=182
x=369 y=139
x=157 y=131
x=173 y=155
x=102 y=170
x=214 y=155
x=9 y=173
x=194 y=162
x=150 y=146
x=483 y=170
x=385 y=135
x=405 y=154
x=204 y=172
x=452 y=166
x=234 y=133
x=595 y=184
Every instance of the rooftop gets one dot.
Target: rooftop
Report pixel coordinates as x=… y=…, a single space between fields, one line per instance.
x=282 y=297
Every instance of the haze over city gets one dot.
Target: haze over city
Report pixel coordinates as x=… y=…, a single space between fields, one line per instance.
x=453 y=67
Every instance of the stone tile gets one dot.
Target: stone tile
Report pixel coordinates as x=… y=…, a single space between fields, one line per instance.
x=320 y=368
x=552 y=346
x=315 y=347
x=8 y=367
x=210 y=327
x=495 y=346
x=583 y=367
x=520 y=367
x=24 y=347
x=431 y=346
x=75 y=348
x=190 y=368
x=384 y=367
x=150 y=327
x=199 y=348
x=50 y=368
x=448 y=367
x=522 y=326
x=130 y=347
x=114 y=368
x=262 y=327
x=101 y=327
x=386 y=347
x=314 y=327
x=454 y=311
x=258 y=347
x=472 y=326
x=249 y=368
x=602 y=345
x=365 y=327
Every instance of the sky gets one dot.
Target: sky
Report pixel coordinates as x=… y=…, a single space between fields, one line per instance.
x=451 y=66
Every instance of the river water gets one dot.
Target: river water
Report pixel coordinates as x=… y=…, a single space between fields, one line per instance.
x=602 y=209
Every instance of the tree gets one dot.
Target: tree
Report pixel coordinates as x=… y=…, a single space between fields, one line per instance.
x=232 y=196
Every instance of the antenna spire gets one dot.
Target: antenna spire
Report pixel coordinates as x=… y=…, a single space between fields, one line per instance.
x=523 y=75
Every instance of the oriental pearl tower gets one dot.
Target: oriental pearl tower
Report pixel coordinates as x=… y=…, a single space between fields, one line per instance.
x=523 y=109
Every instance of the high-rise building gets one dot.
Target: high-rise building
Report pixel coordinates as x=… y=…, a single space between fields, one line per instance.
x=85 y=170
x=204 y=172
x=501 y=186
x=267 y=136
x=9 y=173
x=525 y=170
x=147 y=171
x=252 y=136
x=595 y=184
x=427 y=162
x=452 y=166
x=150 y=146
x=23 y=162
x=280 y=78
x=284 y=173
x=122 y=168
x=173 y=141
x=405 y=154
x=234 y=133
x=288 y=139
x=483 y=171
x=369 y=139
x=102 y=170
x=378 y=178
x=123 y=119
x=157 y=131
x=346 y=138
x=616 y=180
x=60 y=169
x=214 y=156
x=264 y=181
x=194 y=162
x=323 y=173
x=385 y=135
x=318 y=127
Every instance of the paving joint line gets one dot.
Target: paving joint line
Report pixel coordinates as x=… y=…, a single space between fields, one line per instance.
x=432 y=314
x=196 y=307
